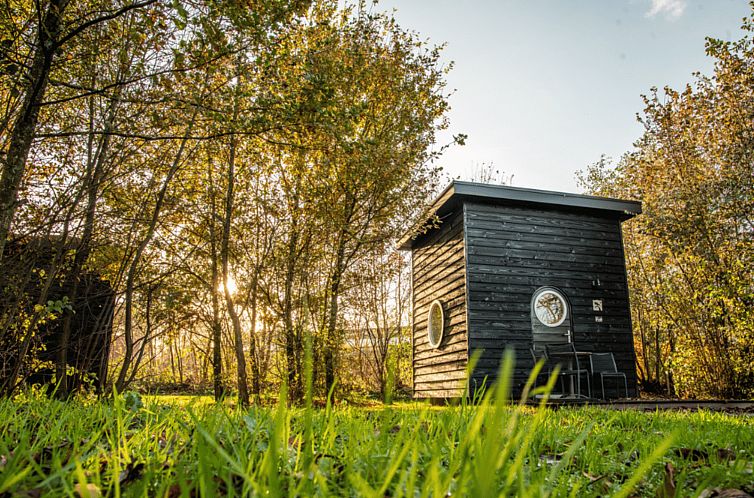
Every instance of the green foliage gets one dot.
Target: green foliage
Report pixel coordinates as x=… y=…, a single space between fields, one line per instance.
x=54 y=308
x=132 y=401
x=691 y=253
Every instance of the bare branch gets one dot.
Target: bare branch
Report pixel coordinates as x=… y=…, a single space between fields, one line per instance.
x=108 y=17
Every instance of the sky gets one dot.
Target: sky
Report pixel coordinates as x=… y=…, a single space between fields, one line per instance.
x=543 y=88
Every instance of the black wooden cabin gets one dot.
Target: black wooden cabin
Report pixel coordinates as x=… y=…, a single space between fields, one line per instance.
x=22 y=277
x=489 y=251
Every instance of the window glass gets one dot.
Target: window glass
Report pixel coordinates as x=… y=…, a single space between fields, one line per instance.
x=435 y=324
x=550 y=307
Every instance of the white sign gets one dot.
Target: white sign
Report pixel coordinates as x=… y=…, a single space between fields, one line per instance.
x=597 y=304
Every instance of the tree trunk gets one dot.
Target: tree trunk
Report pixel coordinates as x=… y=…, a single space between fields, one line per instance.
x=217 y=360
x=253 y=353
x=669 y=371
x=243 y=386
x=290 y=337
x=147 y=334
x=658 y=357
x=332 y=341
x=25 y=125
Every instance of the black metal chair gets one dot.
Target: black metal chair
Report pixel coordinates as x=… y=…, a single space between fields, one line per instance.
x=604 y=365
x=565 y=355
x=541 y=355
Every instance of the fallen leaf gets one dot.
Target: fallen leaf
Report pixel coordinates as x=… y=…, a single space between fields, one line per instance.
x=593 y=479
x=89 y=491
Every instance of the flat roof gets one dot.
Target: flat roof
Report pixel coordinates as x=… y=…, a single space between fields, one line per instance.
x=500 y=194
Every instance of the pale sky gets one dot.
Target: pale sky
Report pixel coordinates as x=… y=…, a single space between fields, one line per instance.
x=543 y=88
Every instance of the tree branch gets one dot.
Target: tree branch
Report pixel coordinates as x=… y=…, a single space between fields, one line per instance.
x=108 y=17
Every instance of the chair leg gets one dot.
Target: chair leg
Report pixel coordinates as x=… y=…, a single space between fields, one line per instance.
x=625 y=384
x=602 y=381
x=588 y=383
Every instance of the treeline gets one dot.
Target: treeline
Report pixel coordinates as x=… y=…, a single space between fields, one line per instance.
x=237 y=172
x=690 y=255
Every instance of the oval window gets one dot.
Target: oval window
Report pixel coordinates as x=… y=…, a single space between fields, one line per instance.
x=435 y=324
x=550 y=307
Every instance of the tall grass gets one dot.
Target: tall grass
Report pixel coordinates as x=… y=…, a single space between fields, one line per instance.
x=489 y=448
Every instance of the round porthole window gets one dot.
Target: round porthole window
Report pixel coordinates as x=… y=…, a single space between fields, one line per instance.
x=550 y=307
x=435 y=324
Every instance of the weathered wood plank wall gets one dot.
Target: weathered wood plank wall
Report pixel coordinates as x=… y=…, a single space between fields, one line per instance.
x=512 y=251
x=438 y=272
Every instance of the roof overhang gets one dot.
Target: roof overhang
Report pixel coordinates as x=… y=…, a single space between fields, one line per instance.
x=459 y=191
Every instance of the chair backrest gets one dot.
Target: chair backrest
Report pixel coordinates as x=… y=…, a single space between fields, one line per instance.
x=538 y=354
x=562 y=353
x=567 y=347
x=603 y=362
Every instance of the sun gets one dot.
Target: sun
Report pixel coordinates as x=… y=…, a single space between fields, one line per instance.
x=231 y=285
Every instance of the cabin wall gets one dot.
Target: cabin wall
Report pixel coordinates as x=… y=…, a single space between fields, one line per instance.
x=438 y=272
x=513 y=251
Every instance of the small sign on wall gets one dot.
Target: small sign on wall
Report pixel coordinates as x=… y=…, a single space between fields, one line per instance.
x=597 y=304
x=598 y=319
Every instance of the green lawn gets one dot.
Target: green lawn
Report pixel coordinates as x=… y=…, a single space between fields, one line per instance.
x=182 y=447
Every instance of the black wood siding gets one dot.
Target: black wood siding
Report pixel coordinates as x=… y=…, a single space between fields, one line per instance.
x=438 y=272
x=513 y=251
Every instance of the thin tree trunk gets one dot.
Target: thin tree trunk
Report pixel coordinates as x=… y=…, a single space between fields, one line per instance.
x=658 y=356
x=669 y=372
x=290 y=339
x=179 y=361
x=243 y=387
x=172 y=361
x=217 y=361
x=253 y=353
x=332 y=341
x=147 y=334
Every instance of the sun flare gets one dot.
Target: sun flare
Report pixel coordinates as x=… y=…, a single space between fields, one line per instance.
x=231 y=285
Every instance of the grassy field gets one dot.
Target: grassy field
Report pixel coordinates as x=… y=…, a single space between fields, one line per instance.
x=182 y=447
